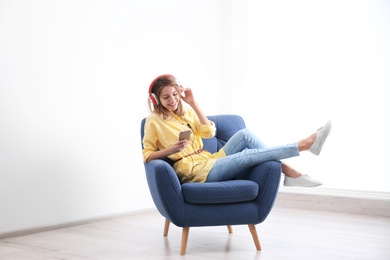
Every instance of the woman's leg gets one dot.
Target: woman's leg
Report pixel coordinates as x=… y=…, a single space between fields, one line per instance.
x=228 y=167
x=243 y=139
x=245 y=150
x=290 y=171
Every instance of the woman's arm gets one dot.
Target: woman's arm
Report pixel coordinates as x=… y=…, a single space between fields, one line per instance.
x=190 y=100
x=175 y=148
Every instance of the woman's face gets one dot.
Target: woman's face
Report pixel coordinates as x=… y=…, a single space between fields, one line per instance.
x=169 y=98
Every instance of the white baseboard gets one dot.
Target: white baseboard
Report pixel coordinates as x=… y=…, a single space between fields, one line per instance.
x=337 y=200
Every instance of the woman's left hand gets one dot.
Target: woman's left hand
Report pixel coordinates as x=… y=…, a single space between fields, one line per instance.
x=188 y=97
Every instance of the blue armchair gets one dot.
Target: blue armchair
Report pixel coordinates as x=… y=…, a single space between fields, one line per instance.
x=248 y=199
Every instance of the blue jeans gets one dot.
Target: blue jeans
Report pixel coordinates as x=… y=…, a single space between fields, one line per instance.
x=245 y=150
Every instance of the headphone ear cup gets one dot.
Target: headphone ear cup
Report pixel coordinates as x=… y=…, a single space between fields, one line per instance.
x=153 y=98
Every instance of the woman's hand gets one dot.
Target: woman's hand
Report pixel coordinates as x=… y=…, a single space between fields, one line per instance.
x=175 y=148
x=179 y=146
x=188 y=97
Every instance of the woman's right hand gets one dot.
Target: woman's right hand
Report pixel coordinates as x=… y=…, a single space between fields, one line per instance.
x=175 y=148
x=179 y=145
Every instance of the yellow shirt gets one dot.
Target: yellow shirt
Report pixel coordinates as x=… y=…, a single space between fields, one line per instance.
x=160 y=134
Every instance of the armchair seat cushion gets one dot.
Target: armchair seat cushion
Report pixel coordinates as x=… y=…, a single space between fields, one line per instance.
x=220 y=192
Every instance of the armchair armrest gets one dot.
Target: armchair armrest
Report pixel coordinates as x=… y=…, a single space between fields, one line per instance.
x=267 y=175
x=166 y=190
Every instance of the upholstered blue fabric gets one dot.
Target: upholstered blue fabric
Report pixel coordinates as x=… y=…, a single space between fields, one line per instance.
x=220 y=192
x=184 y=206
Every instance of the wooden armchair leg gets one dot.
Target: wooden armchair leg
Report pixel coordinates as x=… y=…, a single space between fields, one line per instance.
x=230 y=229
x=184 y=240
x=252 y=228
x=166 y=227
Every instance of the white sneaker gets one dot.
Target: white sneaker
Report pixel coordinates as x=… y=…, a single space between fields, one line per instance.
x=302 y=181
x=322 y=134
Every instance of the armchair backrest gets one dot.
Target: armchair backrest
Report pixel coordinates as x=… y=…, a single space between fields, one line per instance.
x=227 y=125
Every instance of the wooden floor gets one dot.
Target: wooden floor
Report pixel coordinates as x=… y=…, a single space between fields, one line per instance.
x=285 y=234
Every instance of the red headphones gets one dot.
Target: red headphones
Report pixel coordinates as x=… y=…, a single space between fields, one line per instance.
x=152 y=96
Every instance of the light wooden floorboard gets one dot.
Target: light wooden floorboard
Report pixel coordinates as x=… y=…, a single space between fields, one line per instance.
x=285 y=234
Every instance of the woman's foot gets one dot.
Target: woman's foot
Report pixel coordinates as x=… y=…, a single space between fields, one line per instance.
x=321 y=135
x=314 y=142
x=294 y=178
x=301 y=181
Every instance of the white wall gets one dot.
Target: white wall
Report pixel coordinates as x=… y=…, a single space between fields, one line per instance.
x=74 y=77
x=310 y=61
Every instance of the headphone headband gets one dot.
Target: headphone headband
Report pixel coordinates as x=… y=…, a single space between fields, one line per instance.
x=154 y=81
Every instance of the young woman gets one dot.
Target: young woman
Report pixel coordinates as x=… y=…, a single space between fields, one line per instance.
x=169 y=116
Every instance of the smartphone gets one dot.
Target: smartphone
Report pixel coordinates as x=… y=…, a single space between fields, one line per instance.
x=184 y=135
